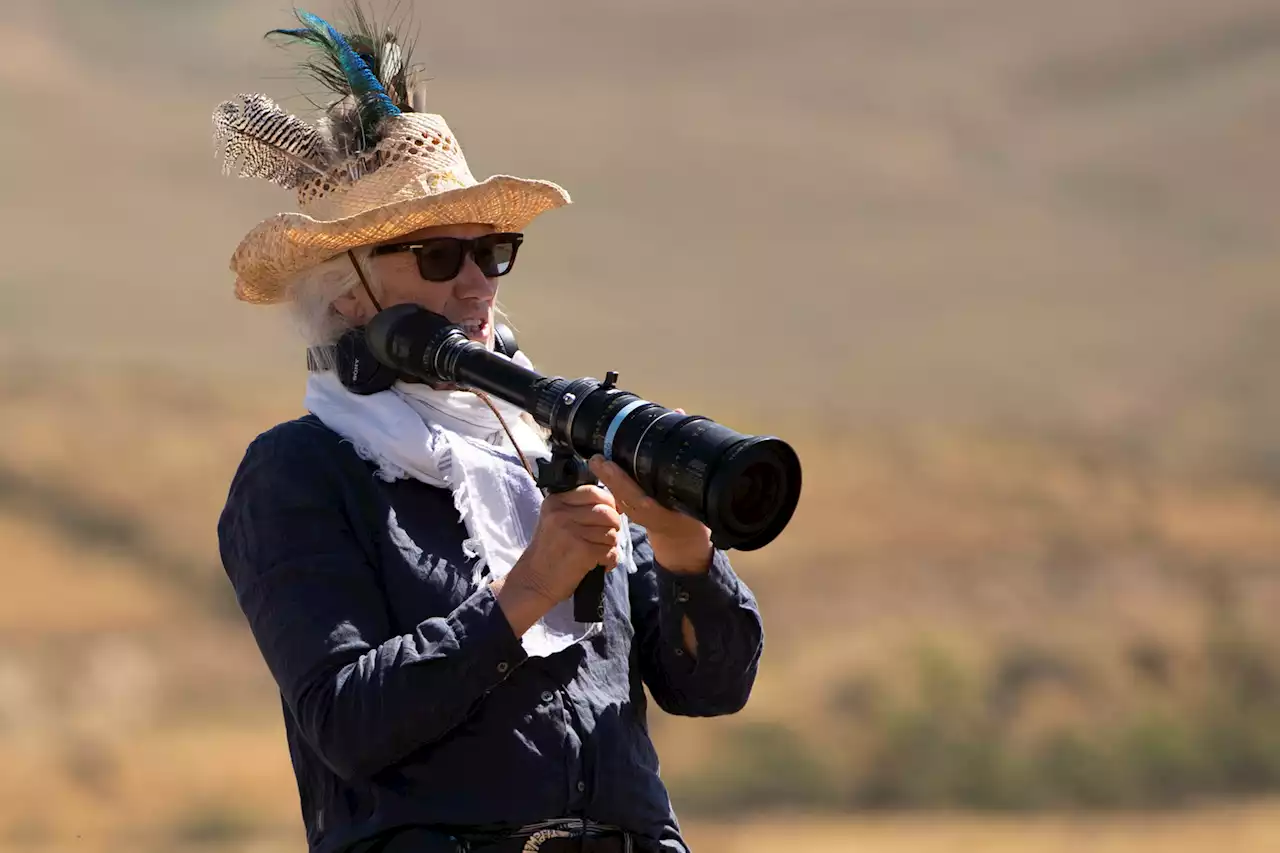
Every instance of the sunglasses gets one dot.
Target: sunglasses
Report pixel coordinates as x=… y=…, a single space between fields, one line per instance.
x=441 y=258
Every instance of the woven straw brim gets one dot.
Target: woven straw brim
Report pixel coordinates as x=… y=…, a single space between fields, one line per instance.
x=279 y=248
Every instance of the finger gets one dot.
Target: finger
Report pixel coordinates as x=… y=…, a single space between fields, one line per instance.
x=604 y=516
x=681 y=412
x=600 y=555
x=597 y=515
x=625 y=489
x=586 y=496
x=597 y=535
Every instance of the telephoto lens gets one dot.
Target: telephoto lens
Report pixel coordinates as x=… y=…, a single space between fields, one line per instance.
x=745 y=488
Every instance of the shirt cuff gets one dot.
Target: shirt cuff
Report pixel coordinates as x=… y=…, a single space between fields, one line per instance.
x=707 y=598
x=481 y=625
x=710 y=592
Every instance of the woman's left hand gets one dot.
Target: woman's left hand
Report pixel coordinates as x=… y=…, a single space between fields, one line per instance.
x=680 y=543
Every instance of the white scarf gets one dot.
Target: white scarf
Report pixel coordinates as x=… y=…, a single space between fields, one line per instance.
x=453 y=440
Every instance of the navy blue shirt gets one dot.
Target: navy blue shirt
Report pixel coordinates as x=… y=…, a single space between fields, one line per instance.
x=408 y=699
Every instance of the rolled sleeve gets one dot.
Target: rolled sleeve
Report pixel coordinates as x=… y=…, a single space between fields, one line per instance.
x=495 y=650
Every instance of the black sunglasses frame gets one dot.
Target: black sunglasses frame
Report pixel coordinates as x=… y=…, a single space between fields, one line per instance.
x=468 y=249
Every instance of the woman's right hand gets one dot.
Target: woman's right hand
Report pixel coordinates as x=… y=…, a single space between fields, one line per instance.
x=577 y=531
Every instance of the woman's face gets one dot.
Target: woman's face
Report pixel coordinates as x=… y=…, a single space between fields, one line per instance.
x=466 y=299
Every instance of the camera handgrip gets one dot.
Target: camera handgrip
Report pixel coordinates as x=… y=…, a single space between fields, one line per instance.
x=588 y=598
x=564 y=472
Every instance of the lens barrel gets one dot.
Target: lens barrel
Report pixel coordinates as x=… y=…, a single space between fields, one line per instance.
x=744 y=487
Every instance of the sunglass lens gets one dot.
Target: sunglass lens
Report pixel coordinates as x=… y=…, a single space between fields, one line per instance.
x=440 y=260
x=495 y=257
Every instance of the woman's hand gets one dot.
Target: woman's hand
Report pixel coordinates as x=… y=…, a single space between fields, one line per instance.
x=576 y=532
x=680 y=543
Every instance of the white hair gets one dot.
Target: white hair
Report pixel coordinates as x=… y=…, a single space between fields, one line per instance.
x=313 y=293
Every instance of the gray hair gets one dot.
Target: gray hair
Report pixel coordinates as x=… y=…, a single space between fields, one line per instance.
x=314 y=290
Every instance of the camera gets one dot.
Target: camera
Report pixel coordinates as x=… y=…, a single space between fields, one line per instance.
x=745 y=488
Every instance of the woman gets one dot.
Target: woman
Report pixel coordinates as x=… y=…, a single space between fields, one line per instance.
x=409 y=587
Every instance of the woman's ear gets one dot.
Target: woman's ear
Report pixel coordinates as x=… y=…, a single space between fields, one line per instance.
x=354 y=306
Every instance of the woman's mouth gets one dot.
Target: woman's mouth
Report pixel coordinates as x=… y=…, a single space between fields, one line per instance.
x=476 y=330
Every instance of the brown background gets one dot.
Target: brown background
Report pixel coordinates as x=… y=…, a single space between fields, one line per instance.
x=1004 y=271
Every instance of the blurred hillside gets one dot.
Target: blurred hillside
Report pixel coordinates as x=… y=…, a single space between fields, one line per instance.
x=1010 y=267
x=885 y=206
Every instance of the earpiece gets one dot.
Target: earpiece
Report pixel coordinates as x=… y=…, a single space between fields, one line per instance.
x=358 y=370
x=504 y=340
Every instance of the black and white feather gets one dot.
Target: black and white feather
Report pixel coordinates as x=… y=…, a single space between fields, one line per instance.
x=257 y=138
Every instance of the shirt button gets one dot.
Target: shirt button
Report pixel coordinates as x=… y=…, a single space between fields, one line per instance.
x=547 y=696
x=679 y=652
x=503 y=666
x=582 y=786
x=682 y=596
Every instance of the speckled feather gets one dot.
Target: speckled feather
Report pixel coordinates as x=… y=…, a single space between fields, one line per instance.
x=258 y=139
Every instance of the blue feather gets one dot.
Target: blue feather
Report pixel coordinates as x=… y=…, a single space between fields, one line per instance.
x=371 y=98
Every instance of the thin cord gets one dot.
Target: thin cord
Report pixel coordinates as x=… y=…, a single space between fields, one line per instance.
x=363 y=281
x=501 y=420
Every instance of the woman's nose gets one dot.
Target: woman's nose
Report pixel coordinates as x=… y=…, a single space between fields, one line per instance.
x=471 y=282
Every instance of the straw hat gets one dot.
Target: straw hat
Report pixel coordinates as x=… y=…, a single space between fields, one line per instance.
x=415 y=177
x=407 y=172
